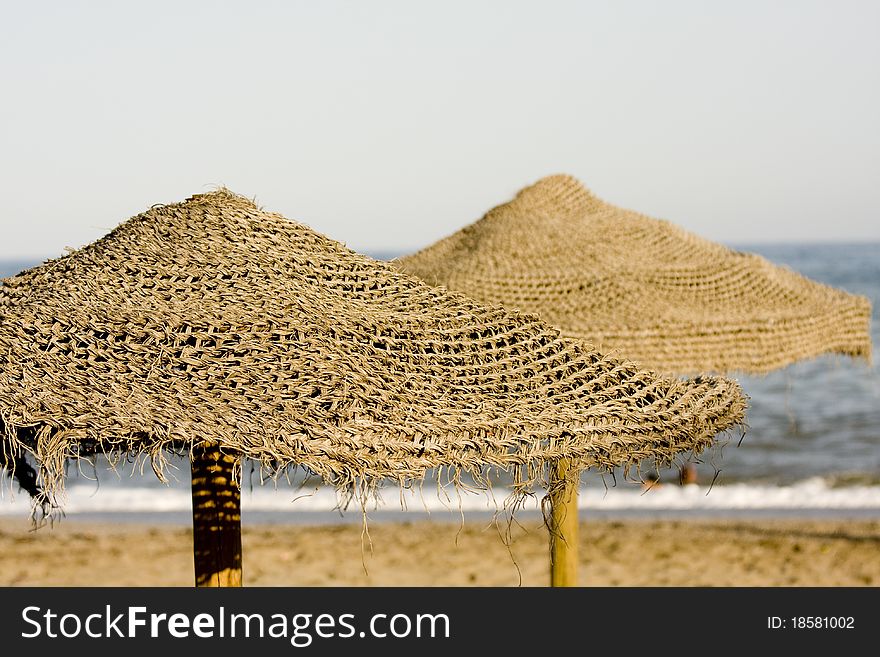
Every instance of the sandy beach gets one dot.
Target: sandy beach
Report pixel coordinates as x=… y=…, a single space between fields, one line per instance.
x=613 y=553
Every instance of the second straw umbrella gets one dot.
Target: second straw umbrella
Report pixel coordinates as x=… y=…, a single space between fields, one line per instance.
x=641 y=288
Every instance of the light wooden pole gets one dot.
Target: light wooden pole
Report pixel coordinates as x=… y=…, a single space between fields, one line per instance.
x=563 y=526
x=216 y=501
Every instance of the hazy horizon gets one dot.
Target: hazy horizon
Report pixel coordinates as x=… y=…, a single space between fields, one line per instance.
x=389 y=125
x=387 y=254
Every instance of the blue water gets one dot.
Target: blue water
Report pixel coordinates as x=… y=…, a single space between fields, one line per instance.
x=819 y=418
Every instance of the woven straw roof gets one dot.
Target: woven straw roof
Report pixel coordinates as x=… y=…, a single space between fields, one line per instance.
x=213 y=320
x=641 y=286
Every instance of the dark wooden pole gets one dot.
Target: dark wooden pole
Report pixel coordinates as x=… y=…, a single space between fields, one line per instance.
x=216 y=501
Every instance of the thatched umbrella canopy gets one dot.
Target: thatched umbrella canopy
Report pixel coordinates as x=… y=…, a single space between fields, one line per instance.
x=217 y=328
x=642 y=287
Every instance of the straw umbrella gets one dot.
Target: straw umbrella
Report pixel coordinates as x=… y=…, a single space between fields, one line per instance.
x=219 y=329
x=643 y=288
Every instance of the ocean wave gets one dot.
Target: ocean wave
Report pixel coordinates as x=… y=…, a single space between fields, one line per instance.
x=815 y=493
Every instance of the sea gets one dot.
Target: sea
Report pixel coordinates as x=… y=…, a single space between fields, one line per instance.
x=811 y=448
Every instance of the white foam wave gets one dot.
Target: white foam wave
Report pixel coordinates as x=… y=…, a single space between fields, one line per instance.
x=808 y=494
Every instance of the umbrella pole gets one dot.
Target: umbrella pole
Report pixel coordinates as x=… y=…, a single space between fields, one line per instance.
x=216 y=501
x=563 y=527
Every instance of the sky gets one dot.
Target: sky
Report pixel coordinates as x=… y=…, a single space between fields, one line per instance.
x=388 y=125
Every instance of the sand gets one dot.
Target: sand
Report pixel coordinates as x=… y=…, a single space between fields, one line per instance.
x=613 y=553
